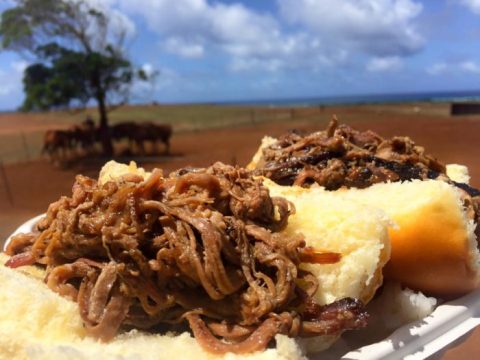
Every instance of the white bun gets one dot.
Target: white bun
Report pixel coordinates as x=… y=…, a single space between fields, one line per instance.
x=36 y=323
x=358 y=232
x=434 y=247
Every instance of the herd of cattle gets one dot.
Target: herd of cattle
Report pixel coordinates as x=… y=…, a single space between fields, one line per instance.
x=60 y=144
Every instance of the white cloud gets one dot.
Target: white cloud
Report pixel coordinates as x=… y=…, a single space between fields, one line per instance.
x=466 y=66
x=302 y=34
x=189 y=26
x=19 y=66
x=437 y=68
x=254 y=40
x=147 y=90
x=470 y=66
x=183 y=48
x=120 y=26
x=148 y=69
x=11 y=83
x=377 y=27
x=473 y=5
x=384 y=64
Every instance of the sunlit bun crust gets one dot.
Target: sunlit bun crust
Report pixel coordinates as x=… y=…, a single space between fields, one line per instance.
x=434 y=248
x=113 y=170
x=266 y=141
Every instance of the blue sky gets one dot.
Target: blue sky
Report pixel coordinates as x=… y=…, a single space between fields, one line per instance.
x=210 y=51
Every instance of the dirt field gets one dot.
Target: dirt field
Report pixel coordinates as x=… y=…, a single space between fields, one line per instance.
x=27 y=188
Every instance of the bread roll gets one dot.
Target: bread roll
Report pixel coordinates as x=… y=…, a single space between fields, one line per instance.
x=358 y=232
x=434 y=247
x=113 y=170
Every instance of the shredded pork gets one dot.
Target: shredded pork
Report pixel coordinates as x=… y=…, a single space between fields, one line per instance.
x=201 y=247
x=341 y=156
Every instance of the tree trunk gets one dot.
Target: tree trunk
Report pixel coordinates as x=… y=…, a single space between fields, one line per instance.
x=105 y=137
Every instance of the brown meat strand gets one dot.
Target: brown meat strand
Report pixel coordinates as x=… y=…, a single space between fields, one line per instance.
x=312 y=256
x=342 y=156
x=324 y=320
x=21 y=259
x=202 y=246
x=257 y=340
x=346 y=313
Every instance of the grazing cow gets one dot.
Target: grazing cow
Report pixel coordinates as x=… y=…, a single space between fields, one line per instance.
x=56 y=143
x=84 y=135
x=124 y=131
x=138 y=134
x=153 y=133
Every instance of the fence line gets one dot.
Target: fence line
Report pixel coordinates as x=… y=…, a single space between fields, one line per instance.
x=8 y=190
x=26 y=146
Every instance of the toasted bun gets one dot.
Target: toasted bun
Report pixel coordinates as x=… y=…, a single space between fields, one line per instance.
x=113 y=170
x=434 y=248
x=257 y=157
x=358 y=232
x=36 y=323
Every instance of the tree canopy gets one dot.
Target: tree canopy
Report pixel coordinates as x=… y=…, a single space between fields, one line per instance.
x=77 y=54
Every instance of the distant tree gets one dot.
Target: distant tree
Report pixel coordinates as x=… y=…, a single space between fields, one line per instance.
x=78 y=54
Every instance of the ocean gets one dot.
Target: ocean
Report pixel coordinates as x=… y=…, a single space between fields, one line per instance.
x=441 y=96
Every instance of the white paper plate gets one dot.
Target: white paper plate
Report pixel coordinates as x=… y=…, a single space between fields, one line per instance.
x=24 y=228
x=416 y=340
x=422 y=338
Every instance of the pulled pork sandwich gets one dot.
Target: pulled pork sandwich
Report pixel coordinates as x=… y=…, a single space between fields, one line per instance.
x=202 y=247
x=341 y=156
x=434 y=245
